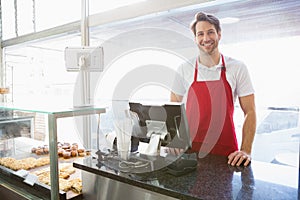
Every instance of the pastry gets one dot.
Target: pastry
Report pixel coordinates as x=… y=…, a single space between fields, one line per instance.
x=88 y=152
x=33 y=150
x=80 y=150
x=26 y=163
x=44 y=178
x=39 y=151
x=67 y=168
x=76 y=185
x=75 y=145
x=74 y=153
x=46 y=150
x=42 y=161
x=67 y=154
x=59 y=145
x=60 y=152
x=64 y=175
x=82 y=154
x=64 y=185
x=65 y=147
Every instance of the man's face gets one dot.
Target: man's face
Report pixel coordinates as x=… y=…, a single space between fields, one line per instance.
x=207 y=38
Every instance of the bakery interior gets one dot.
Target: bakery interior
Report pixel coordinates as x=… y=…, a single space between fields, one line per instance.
x=57 y=121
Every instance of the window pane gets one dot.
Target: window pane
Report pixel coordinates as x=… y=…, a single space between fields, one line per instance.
x=56 y=12
x=47 y=14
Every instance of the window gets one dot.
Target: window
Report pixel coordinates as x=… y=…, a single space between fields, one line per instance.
x=265 y=37
x=279 y=119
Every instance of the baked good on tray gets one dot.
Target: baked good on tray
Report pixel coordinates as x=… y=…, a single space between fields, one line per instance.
x=63 y=150
x=25 y=163
x=66 y=183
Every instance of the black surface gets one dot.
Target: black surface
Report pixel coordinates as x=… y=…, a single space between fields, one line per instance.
x=213 y=179
x=181 y=167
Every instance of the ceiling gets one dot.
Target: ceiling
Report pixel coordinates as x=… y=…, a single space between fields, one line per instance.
x=258 y=20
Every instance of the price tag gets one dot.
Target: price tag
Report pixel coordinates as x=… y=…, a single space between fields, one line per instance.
x=31 y=179
x=22 y=173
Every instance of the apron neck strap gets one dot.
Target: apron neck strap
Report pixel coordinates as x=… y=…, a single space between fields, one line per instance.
x=196 y=67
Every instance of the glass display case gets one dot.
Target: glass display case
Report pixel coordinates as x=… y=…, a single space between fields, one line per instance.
x=53 y=114
x=14 y=125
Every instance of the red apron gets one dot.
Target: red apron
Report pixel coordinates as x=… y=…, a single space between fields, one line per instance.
x=210 y=115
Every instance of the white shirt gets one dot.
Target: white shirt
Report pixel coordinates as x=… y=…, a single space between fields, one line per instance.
x=236 y=73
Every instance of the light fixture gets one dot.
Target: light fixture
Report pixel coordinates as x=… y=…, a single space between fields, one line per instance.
x=229 y=20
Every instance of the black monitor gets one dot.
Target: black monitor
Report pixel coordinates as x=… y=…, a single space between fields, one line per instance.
x=168 y=118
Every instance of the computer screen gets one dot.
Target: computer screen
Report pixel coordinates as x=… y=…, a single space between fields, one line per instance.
x=169 y=117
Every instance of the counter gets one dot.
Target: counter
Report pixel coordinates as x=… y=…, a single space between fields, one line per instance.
x=213 y=179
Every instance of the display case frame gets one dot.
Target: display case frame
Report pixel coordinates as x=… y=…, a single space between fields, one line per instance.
x=53 y=115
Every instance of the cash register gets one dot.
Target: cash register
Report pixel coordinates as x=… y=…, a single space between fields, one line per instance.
x=164 y=126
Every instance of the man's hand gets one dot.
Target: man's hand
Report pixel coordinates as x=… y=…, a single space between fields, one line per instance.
x=238 y=158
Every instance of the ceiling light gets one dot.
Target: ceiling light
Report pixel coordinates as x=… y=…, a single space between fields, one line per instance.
x=229 y=20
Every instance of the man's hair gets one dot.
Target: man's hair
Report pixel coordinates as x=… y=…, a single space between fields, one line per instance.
x=201 y=16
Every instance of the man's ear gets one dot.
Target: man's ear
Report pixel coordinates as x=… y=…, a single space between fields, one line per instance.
x=219 y=34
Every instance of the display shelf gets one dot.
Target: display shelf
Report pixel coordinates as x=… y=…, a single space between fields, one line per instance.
x=53 y=113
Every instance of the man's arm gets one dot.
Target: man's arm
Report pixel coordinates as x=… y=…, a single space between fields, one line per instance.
x=175 y=98
x=249 y=127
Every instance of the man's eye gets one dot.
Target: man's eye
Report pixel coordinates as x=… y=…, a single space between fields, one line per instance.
x=200 y=34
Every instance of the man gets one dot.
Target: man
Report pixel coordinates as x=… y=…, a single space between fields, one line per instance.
x=211 y=87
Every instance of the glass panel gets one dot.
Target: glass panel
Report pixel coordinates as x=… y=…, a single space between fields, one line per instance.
x=50 y=109
x=55 y=12
x=278 y=119
x=46 y=14
x=8 y=19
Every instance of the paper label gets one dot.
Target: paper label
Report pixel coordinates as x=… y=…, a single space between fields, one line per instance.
x=31 y=179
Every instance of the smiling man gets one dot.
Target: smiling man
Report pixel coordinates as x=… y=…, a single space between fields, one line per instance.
x=210 y=88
